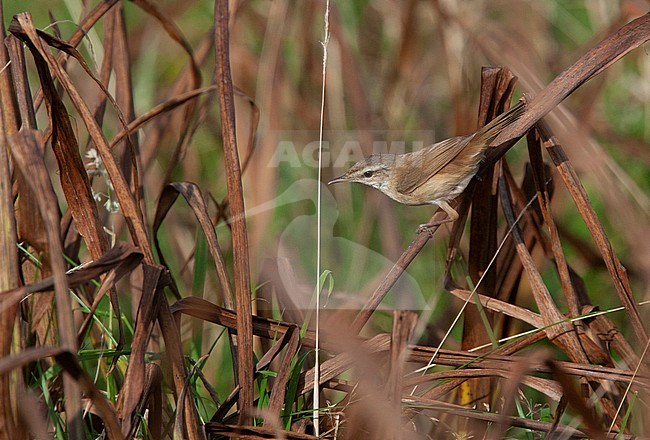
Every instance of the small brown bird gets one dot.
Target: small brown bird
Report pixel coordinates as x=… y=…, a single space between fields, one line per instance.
x=433 y=175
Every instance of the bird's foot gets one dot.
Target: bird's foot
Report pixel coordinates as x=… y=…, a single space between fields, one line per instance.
x=425 y=228
x=430 y=227
x=451 y=216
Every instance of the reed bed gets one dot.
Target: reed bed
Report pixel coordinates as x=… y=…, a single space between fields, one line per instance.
x=128 y=313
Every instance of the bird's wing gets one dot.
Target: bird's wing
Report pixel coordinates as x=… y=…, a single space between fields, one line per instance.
x=425 y=163
x=428 y=161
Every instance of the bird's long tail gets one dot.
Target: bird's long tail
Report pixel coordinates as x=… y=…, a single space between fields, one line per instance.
x=492 y=129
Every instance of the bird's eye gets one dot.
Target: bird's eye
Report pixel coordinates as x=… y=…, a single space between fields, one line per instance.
x=368 y=174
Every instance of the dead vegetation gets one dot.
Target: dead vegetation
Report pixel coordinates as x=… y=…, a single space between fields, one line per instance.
x=125 y=314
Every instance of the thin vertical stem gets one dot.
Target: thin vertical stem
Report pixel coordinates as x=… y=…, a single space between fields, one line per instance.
x=316 y=401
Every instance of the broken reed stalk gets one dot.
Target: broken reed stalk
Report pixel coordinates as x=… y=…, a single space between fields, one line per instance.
x=497 y=86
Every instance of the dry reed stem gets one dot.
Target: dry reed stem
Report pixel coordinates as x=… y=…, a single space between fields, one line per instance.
x=238 y=213
x=9 y=272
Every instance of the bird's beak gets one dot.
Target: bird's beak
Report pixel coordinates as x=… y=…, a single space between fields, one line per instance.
x=339 y=179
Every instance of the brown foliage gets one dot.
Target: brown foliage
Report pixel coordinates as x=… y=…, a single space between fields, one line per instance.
x=382 y=385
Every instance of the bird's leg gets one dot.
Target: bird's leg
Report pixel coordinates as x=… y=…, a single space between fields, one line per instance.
x=452 y=216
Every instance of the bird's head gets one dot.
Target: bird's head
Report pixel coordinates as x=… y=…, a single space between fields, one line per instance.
x=373 y=171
